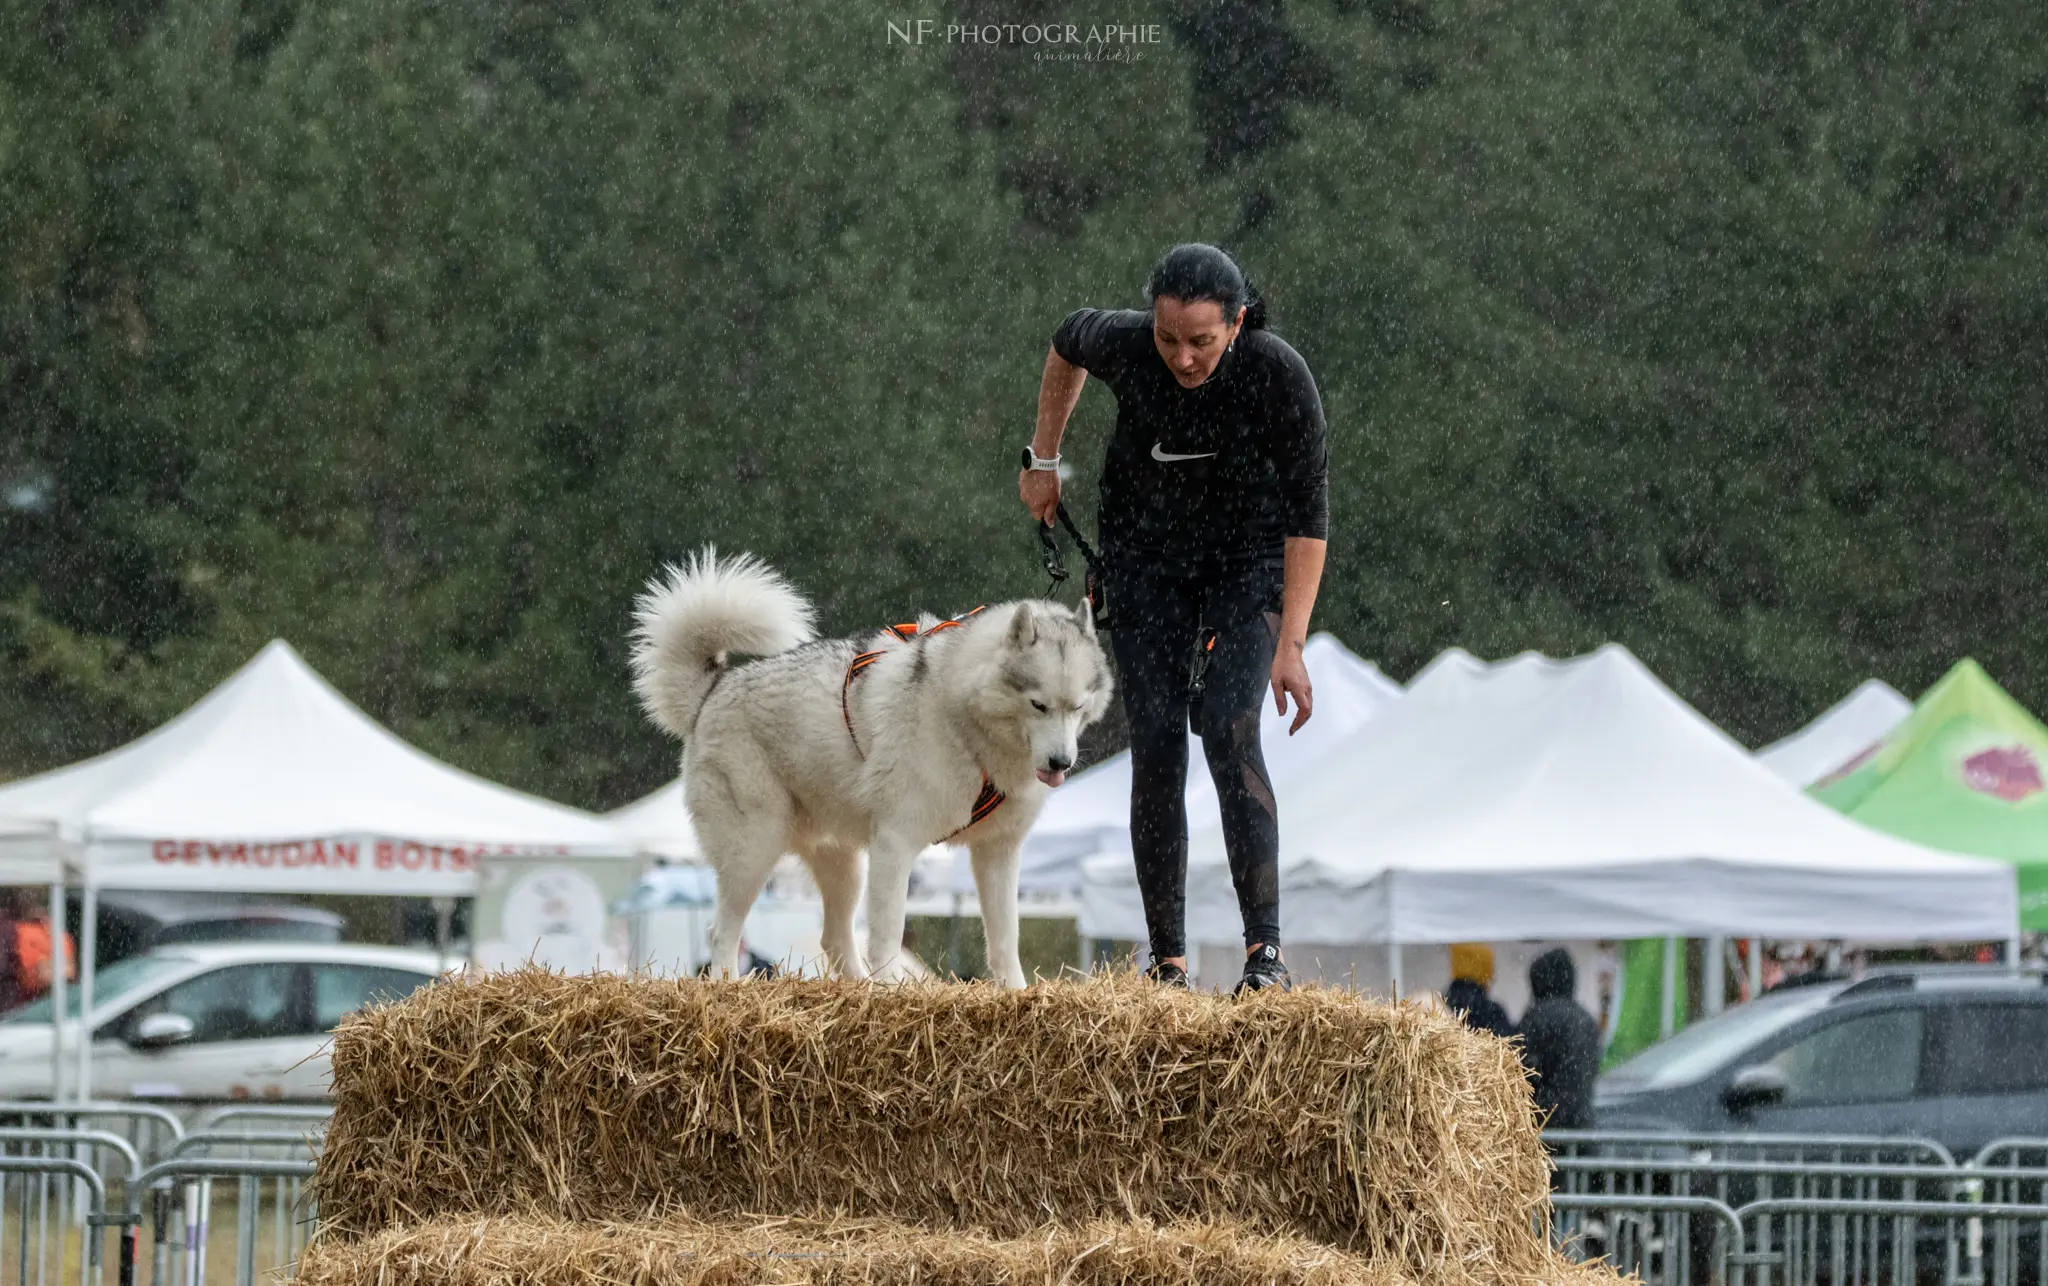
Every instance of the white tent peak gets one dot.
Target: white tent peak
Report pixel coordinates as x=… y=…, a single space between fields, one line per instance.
x=1840 y=733
x=1452 y=665
x=658 y=823
x=1456 y=677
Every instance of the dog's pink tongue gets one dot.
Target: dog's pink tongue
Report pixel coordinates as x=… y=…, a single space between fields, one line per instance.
x=1051 y=778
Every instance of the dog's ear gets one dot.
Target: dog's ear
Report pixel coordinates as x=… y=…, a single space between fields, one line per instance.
x=1087 y=614
x=1023 y=629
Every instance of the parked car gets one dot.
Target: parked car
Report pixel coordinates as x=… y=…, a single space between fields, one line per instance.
x=213 y=1021
x=1959 y=1056
x=132 y=922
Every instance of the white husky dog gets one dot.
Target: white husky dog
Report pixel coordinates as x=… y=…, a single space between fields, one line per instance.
x=950 y=731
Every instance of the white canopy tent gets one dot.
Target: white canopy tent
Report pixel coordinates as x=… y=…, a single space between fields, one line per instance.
x=274 y=782
x=658 y=824
x=1091 y=814
x=1561 y=800
x=1845 y=730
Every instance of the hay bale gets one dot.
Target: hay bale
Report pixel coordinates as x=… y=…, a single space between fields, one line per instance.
x=684 y=1252
x=1392 y=1132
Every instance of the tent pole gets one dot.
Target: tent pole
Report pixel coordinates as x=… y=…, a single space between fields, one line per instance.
x=58 y=993
x=1393 y=936
x=1667 y=1016
x=444 y=914
x=88 y=942
x=1756 y=966
x=2012 y=949
x=1716 y=982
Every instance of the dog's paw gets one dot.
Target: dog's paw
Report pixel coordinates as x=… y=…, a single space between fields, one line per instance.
x=894 y=969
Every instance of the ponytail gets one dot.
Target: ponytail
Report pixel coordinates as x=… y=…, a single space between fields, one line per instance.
x=1254 y=307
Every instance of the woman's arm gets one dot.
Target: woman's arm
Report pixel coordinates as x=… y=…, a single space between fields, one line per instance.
x=1303 y=576
x=1302 y=456
x=1059 y=389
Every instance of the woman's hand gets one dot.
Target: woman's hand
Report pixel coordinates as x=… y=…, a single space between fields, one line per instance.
x=1040 y=491
x=1300 y=577
x=1290 y=679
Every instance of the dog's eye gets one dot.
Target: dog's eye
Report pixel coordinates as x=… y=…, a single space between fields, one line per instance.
x=1038 y=706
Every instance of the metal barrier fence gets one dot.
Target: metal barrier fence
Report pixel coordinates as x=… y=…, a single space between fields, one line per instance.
x=2015 y=1172
x=311 y=1118
x=1700 y=1210
x=273 y=1217
x=267 y=1146
x=110 y=1156
x=1807 y=1241
x=1653 y=1238
x=51 y=1235
x=63 y=1189
x=156 y=1132
x=1675 y=1210
x=1835 y=1149
x=1888 y=1243
x=149 y=1128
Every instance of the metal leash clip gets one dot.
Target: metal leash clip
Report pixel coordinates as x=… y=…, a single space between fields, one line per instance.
x=1055 y=558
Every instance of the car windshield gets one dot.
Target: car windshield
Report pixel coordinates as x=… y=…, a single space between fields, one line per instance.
x=1708 y=1045
x=109 y=985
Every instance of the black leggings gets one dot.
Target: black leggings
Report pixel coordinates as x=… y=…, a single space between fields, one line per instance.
x=1159 y=617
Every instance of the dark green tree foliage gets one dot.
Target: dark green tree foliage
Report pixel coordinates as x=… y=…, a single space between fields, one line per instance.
x=422 y=335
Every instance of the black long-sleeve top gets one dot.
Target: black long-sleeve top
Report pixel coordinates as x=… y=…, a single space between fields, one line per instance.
x=1217 y=475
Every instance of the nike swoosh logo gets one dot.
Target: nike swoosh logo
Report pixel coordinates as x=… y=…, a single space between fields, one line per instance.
x=1164 y=458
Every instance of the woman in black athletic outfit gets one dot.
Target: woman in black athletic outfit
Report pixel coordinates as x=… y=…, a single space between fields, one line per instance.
x=1215 y=513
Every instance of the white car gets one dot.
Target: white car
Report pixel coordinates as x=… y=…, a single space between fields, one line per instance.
x=246 y=1020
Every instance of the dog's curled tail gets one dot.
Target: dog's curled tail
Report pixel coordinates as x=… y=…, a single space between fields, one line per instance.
x=689 y=620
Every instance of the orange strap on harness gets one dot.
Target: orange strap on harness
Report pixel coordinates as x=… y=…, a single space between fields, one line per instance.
x=990 y=798
x=988 y=801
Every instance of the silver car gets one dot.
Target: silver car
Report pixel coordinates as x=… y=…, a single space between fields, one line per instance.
x=216 y=1021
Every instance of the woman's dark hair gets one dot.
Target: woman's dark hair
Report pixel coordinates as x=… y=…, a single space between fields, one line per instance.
x=1197 y=270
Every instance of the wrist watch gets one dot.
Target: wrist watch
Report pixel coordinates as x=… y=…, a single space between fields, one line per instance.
x=1041 y=463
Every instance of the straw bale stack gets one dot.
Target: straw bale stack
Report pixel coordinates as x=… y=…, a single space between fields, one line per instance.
x=1391 y=1131
x=679 y=1251
x=533 y=1129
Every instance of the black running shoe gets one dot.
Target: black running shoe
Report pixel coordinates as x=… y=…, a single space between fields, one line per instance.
x=1263 y=970
x=1168 y=974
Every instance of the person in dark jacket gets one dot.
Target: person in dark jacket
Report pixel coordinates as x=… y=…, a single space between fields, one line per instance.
x=1560 y=1044
x=1471 y=975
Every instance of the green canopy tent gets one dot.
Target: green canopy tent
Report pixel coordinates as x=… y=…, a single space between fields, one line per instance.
x=1966 y=771
x=1652 y=977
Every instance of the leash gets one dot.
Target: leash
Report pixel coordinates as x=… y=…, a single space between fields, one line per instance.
x=1055 y=560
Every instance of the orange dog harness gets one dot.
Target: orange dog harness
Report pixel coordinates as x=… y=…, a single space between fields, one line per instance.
x=990 y=798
